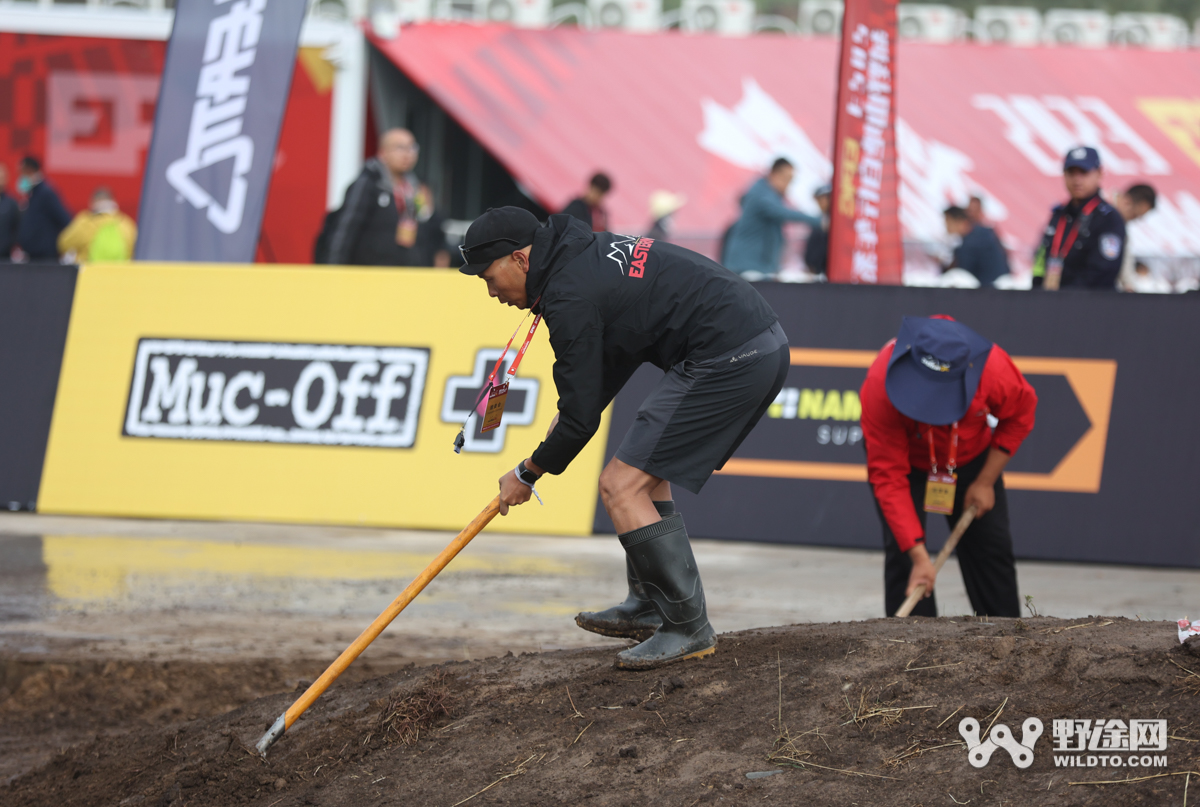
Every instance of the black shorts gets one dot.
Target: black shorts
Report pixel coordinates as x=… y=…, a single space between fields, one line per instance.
x=701 y=411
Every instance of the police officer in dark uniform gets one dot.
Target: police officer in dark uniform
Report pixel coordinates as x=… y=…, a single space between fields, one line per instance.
x=1084 y=243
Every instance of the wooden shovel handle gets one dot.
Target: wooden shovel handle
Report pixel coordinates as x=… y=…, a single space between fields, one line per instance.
x=391 y=612
x=963 y=522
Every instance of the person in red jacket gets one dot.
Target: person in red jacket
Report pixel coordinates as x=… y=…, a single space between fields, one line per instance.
x=926 y=407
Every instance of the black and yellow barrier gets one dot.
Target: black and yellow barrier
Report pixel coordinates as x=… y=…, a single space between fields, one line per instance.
x=35 y=304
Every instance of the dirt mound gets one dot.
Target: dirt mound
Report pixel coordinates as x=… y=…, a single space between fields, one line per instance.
x=50 y=704
x=815 y=714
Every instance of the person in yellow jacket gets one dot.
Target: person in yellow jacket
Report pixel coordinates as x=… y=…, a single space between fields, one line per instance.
x=100 y=233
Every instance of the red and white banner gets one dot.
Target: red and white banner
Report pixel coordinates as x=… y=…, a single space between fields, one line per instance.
x=704 y=116
x=864 y=231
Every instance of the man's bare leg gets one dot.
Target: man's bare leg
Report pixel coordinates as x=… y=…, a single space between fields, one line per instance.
x=629 y=494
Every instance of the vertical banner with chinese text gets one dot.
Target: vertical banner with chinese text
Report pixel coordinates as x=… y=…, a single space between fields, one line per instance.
x=220 y=108
x=864 y=230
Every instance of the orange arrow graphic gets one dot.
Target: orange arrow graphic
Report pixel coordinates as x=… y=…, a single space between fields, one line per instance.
x=1079 y=471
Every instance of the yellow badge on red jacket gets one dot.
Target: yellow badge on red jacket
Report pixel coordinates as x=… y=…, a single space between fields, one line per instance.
x=939 y=493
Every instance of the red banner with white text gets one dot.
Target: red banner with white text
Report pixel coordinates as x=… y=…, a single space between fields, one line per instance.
x=864 y=230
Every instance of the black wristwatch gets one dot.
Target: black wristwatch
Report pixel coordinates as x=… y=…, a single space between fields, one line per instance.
x=525 y=475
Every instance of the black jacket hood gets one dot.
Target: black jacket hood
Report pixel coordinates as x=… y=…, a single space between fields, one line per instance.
x=555 y=244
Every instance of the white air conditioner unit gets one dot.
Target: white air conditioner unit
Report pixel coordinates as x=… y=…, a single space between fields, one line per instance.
x=1070 y=26
x=630 y=15
x=385 y=13
x=1008 y=25
x=729 y=17
x=1154 y=31
x=521 y=13
x=930 y=23
x=820 y=17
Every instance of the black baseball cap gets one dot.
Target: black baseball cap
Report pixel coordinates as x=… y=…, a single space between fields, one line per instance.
x=935 y=369
x=498 y=232
x=1084 y=157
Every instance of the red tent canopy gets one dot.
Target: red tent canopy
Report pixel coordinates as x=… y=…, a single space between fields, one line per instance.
x=703 y=115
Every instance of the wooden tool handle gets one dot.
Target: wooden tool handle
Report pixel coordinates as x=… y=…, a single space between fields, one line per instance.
x=963 y=522
x=391 y=612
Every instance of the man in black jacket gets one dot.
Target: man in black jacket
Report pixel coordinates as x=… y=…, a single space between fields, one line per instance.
x=387 y=218
x=589 y=208
x=611 y=303
x=44 y=216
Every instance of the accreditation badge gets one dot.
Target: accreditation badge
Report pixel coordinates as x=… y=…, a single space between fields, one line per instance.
x=495 y=408
x=1054 y=270
x=406 y=232
x=939 y=493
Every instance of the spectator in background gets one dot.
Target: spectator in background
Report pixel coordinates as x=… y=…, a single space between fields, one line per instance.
x=980 y=251
x=1084 y=243
x=755 y=241
x=44 y=216
x=100 y=233
x=1145 y=281
x=387 y=217
x=1135 y=202
x=974 y=210
x=588 y=208
x=663 y=205
x=10 y=218
x=816 y=249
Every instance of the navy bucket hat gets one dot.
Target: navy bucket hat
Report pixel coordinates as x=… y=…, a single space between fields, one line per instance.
x=935 y=368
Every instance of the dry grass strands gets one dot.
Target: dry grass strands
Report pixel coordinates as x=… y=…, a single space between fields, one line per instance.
x=917 y=749
x=520 y=769
x=886 y=713
x=784 y=750
x=1190 y=683
x=406 y=716
x=1189 y=774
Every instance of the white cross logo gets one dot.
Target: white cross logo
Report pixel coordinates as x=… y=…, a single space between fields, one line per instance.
x=463 y=391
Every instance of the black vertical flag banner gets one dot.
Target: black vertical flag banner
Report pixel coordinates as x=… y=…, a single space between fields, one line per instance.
x=220 y=107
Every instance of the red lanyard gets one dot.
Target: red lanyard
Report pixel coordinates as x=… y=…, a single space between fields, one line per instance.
x=953 y=459
x=512 y=371
x=1062 y=225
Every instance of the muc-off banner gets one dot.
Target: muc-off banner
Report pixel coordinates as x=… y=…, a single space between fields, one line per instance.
x=220 y=108
x=276 y=393
x=290 y=394
x=864 y=226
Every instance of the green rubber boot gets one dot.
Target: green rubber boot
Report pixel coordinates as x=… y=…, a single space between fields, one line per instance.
x=635 y=618
x=661 y=557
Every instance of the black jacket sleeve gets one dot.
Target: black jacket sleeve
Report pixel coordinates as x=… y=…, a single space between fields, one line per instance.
x=359 y=196
x=577 y=336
